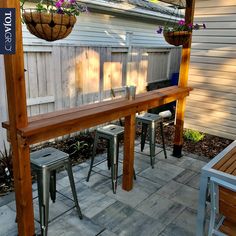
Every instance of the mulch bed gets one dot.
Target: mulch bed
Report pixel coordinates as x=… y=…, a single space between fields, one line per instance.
x=207 y=148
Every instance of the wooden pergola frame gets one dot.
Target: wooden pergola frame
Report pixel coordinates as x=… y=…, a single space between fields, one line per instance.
x=23 y=131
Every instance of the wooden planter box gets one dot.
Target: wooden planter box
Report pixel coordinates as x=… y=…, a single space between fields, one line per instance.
x=49 y=26
x=177 y=38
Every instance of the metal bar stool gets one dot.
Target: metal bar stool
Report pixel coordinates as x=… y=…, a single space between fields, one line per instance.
x=45 y=162
x=149 y=120
x=112 y=133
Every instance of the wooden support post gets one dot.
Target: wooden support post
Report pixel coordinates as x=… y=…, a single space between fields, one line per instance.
x=183 y=82
x=128 y=164
x=15 y=84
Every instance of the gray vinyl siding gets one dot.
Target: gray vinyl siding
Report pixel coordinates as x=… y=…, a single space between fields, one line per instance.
x=211 y=107
x=106 y=30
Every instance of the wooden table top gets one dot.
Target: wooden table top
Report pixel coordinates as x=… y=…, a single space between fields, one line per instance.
x=227 y=163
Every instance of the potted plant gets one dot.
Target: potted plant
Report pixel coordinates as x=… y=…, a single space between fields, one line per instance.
x=52 y=20
x=178 y=34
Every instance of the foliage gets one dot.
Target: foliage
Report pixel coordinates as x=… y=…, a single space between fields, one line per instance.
x=180 y=26
x=6 y=170
x=193 y=135
x=78 y=146
x=69 y=7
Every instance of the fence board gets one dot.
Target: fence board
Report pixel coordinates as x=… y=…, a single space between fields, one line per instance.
x=33 y=81
x=56 y=77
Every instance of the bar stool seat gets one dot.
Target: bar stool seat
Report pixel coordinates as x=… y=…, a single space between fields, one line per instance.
x=150 y=121
x=45 y=162
x=112 y=133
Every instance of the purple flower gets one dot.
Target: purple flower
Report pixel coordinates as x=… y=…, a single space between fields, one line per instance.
x=159 y=31
x=190 y=25
x=72 y=1
x=181 y=22
x=58 y=4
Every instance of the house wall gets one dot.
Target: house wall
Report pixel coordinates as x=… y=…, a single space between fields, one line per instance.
x=211 y=107
x=107 y=30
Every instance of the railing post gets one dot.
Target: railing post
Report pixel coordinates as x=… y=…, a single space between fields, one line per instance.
x=15 y=85
x=128 y=164
x=183 y=82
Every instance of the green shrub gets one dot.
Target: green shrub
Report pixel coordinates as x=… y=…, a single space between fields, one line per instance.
x=193 y=135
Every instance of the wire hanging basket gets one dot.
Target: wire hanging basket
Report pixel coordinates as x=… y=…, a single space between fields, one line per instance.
x=177 y=38
x=176 y=31
x=47 y=25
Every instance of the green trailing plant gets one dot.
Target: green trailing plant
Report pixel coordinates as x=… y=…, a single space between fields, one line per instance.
x=193 y=135
x=69 y=7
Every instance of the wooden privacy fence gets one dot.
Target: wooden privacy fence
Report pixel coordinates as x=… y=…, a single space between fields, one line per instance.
x=59 y=77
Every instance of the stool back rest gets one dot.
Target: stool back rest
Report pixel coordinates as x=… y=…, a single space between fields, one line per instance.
x=224 y=195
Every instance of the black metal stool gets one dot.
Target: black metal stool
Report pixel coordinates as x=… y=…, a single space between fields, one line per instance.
x=45 y=162
x=149 y=120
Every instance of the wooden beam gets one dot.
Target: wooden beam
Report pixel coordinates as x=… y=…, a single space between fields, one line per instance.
x=14 y=70
x=128 y=165
x=54 y=124
x=183 y=82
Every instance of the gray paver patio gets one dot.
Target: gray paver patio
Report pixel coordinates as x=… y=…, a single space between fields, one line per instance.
x=163 y=201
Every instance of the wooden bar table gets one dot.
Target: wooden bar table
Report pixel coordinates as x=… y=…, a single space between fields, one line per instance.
x=54 y=124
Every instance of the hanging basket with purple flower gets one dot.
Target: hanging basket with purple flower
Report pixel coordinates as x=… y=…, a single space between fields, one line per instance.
x=178 y=34
x=52 y=20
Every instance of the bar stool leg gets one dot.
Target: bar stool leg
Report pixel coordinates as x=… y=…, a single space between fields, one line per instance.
x=108 y=155
x=152 y=142
x=72 y=185
x=143 y=135
x=93 y=156
x=43 y=178
x=163 y=139
x=53 y=185
x=114 y=166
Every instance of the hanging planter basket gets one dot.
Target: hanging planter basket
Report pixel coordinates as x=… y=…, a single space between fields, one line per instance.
x=48 y=26
x=177 y=38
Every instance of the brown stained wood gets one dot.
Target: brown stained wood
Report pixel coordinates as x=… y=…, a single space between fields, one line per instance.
x=225 y=159
x=227 y=164
x=179 y=126
x=227 y=210
x=231 y=165
x=128 y=164
x=14 y=70
x=183 y=76
x=228 y=228
x=59 y=123
x=228 y=197
x=94 y=105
